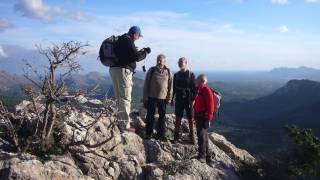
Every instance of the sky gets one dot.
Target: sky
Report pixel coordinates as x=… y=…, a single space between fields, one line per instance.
x=220 y=35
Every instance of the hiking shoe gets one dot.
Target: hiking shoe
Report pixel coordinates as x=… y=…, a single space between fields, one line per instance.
x=160 y=137
x=148 y=137
x=202 y=160
x=208 y=160
x=163 y=138
x=175 y=140
x=156 y=136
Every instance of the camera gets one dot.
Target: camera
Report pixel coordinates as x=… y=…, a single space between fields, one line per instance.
x=147 y=49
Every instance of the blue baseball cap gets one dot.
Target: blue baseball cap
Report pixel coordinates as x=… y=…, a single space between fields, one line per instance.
x=135 y=29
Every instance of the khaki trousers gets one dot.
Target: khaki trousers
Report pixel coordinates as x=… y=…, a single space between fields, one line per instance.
x=122 y=86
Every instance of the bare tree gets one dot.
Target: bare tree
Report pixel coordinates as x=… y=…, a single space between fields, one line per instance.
x=46 y=95
x=8 y=128
x=51 y=86
x=46 y=92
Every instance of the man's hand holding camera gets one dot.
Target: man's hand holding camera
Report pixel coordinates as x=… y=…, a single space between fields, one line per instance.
x=147 y=50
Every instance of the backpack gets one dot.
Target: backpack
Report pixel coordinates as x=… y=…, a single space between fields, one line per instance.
x=106 y=52
x=217 y=101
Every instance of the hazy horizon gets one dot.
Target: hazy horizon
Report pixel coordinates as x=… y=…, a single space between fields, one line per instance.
x=229 y=35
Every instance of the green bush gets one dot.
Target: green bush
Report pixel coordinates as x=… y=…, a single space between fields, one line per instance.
x=306 y=157
x=299 y=160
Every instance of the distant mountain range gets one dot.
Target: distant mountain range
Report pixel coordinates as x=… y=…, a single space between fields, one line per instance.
x=283 y=106
x=262 y=121
x=297 y=73
x=10 y=84
x=12 y=63
x=278 y=74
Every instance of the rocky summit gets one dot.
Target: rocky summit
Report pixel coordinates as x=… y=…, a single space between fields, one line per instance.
x=97 y=149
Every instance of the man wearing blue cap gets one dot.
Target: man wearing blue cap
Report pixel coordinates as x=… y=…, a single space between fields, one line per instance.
x=121 y=73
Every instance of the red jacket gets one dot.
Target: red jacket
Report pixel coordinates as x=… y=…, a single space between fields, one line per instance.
x=204 y=102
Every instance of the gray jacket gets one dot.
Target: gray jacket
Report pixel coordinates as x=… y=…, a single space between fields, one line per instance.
x=158 y=84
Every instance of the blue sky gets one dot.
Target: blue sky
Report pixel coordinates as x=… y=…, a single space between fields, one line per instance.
x=212 y=34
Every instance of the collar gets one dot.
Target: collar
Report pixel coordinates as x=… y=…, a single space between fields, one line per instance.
x=164 y=67
x=184 y=71
x=201 y=85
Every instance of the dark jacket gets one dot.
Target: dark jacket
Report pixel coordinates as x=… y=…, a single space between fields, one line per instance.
x=184 y=85
x=127 y=53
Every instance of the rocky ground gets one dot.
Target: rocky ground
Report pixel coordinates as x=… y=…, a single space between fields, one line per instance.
x=97 y=149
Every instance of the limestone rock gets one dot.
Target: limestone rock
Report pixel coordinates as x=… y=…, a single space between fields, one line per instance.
x=97 y=149
x=230 y=149
x=29 y=167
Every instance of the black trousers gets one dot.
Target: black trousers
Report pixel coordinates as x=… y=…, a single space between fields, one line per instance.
x=181 y=105
x=152 y=104
x=202 y=133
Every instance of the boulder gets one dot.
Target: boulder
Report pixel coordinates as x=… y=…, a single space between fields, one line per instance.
x=155 y=152
x=194 y=169
x=26 y=167
x=230 y=149
x=152 y=171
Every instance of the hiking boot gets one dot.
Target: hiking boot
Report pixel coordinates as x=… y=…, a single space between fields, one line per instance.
x=156 y=137
x=175 y=139
x=163 y=138
x=148 y=137
x=208 y=159
x=202 y=160
x=174 y=142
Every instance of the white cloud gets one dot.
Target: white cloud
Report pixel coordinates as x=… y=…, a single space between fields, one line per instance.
x=2 y=53
x=312 y=1
x=228 y=28
x=5 y=24
x=281 y=2
x=283 y=29
x=39 y=10
x=209 y=44
x=212 y=46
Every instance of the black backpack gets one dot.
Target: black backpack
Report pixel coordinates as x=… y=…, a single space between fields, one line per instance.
x=106 y=52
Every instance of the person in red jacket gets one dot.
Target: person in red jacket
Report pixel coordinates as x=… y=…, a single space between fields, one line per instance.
x=203 y=113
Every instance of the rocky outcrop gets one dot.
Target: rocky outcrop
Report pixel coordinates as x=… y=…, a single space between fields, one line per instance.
x=97 y=149
x=26 y=166
x=230 y=149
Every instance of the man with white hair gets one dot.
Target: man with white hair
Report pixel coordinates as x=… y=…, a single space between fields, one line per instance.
x=203 y=114
x=157 y=93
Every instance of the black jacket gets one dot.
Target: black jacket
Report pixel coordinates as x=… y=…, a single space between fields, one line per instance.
x=184 y=85
x=126 y=52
